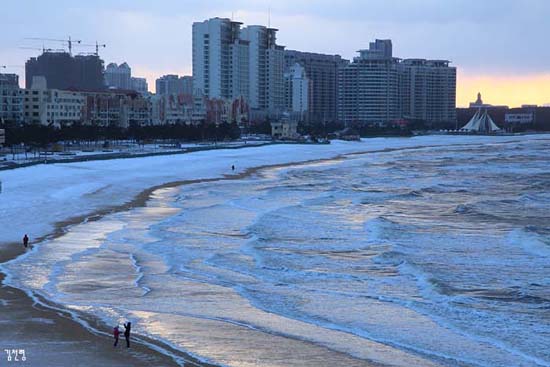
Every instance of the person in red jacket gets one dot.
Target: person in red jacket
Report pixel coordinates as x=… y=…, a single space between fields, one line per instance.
x=116 y=333
x=26 y=241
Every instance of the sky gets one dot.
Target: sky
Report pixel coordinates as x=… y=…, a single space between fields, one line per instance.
x=500 y=47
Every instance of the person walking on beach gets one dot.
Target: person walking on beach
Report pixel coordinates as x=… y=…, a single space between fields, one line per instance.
x=116 y=334
x=127 y=328
x=26 y=240
x=233 y=167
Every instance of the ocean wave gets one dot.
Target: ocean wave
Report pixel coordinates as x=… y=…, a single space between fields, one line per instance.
x=531 y=242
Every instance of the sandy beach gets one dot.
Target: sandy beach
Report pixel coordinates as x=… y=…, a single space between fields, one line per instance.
x=51 y=337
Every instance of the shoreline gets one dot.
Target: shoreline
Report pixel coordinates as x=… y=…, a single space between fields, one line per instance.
x=33 y=310
x=128 y=155
x=99 y=334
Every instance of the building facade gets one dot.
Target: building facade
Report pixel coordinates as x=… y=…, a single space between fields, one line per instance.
x=11 y=100
x=119 y=108
x=64 y=71
x=51 y=107
x=266 y=69
x=174 y=85
x=297 y=88
x=218 y=56
x=230 y=63
x=428 y=91
x=140 y=85
x=369 y=87
x=377 y=88
x=118 y=76
x=322 y=70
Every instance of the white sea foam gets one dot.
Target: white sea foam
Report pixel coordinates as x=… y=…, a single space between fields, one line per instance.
x=532 y=243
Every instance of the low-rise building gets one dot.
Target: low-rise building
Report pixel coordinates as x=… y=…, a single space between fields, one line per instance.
x=11 y=100
x=51 y=107
x=121 y=108
x=284 y=128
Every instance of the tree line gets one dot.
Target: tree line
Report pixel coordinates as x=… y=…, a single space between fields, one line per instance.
x=40 y=135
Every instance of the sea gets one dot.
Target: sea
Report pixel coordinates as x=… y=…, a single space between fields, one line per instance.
x=425 y=256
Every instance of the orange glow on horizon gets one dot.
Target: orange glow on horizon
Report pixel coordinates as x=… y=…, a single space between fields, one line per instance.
x=512 y=91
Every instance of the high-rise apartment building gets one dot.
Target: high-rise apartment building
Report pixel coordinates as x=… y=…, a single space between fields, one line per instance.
x=218 y=57
x=230 y=62
x=11 y=102
x=64 y=71
x=174 y=85
x=369 y=87
x=322 y=70
x=266 y=69
x=378 y=88
x=139 y=85
x=186 y=85
x=428 y=90
x=118 y=76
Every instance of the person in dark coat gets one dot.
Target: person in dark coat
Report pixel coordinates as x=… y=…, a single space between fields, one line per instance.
x=127 y=328
x=116 y=334
x=26 y=241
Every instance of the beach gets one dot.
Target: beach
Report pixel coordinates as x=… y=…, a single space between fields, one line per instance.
x=34 y=327
x=92 y=214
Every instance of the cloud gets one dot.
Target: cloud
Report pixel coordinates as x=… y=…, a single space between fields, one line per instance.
x=505 y=38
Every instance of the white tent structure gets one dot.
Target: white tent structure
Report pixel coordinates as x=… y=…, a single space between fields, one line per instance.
x=481 y=123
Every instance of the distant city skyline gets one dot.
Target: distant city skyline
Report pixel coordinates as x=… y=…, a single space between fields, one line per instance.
x=497 y=46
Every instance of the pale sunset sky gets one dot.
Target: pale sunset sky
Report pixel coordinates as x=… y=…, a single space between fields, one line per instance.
x=500 y=47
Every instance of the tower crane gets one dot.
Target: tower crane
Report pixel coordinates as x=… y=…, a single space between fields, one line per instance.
x=69 y=41
x=97 y=46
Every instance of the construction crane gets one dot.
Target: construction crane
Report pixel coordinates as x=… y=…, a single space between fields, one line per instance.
x=97 y=46
x=69 y=42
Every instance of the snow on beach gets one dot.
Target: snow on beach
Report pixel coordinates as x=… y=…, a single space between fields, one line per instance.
x=33 y=199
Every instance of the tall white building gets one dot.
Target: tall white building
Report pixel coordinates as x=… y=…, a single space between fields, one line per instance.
x=266 y=69
x=297 y=89
x=230 y=62
x=118 y=76
x=219 y=59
